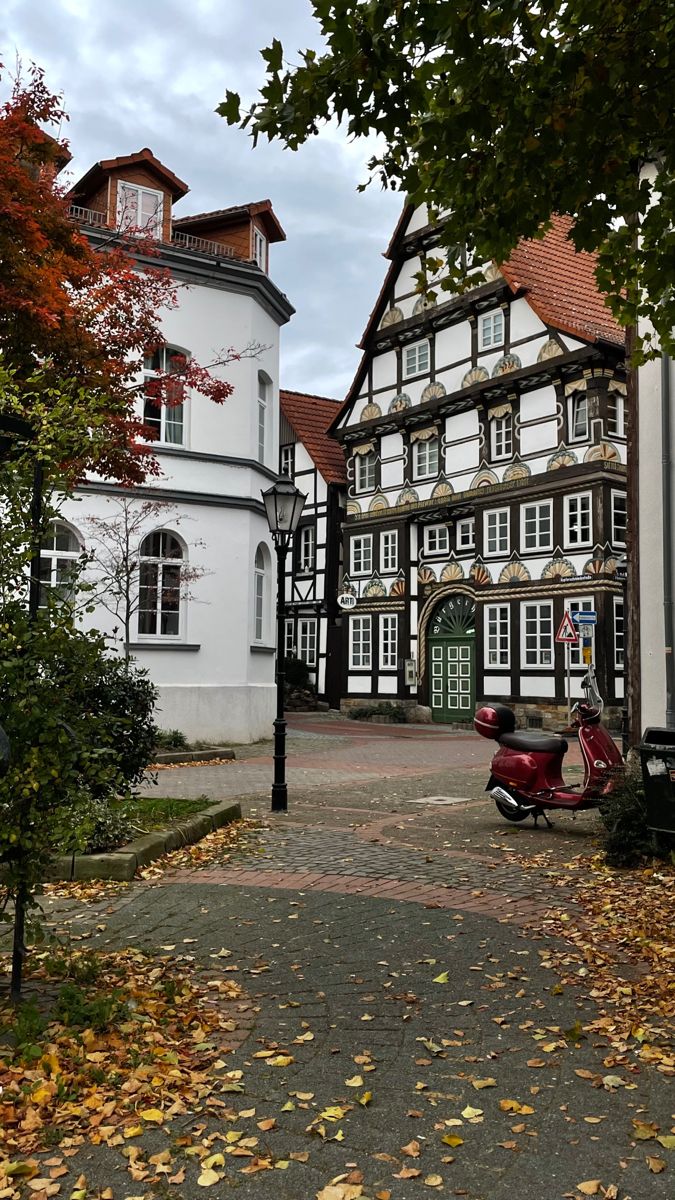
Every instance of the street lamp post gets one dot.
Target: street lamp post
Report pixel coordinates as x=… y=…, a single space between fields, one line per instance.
x=283 y=506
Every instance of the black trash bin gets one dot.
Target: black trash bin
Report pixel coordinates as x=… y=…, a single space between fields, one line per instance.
x=657 y=755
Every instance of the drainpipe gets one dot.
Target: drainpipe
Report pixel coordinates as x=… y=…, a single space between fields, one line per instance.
x=667 y=521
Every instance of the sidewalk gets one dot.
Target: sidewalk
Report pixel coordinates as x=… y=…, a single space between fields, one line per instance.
x=390 y=948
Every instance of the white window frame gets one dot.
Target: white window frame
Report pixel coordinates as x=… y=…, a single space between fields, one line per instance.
x=491 y=330
x=170 y=422
x=578 y=604
x=570 y=502
x=289 y=638
x=306 y=640
x=576 y=400
x=160 y=563
x=360 y=644
x=260 y=586
x=502 y=538
x=263 y=406
x=542 y=655
x=154 y=221
x=364 y=472
x=361 y=554
x=426 y=459
x=306 y=549
x=497 y=626
x=539 y=505
x=416 y=359
x=259 y=248
x=501 y=437
x=616 y=419
x=58 y=563
x=466 y=523
x=623 y=497
x=287 y=461
x=388 y=641
x=619 y=638
x=436 y=539
x=389 y=550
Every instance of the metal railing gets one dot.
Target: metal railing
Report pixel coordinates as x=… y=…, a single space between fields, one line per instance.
x=88 y=215
x=188 y=241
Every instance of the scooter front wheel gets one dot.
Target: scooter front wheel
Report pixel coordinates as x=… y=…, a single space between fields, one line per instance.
x=512 y=814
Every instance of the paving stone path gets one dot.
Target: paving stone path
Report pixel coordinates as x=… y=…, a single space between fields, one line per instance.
x=407 y=938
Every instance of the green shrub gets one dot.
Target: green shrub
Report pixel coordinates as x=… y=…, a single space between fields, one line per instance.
x=297 y=673
x=120 y=697
x=170 y=739
x=627 y=839
x=395 y=713
x=107 y=828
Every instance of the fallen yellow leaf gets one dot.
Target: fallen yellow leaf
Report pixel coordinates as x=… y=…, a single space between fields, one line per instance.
x=590 y=1187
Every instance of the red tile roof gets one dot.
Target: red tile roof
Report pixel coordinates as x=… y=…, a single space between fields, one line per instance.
x=310 y=416
x=219 y=216
x=560 y=285
x=145 y=157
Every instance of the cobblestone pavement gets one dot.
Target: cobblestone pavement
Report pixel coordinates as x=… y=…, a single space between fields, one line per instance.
x=407 y=941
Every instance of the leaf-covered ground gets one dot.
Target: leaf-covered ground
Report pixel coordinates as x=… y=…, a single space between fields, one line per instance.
x=304 y=1045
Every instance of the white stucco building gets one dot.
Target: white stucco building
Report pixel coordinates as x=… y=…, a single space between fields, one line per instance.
x=203 y=619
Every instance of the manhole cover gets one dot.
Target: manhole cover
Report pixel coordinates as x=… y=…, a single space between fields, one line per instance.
x=440 y=800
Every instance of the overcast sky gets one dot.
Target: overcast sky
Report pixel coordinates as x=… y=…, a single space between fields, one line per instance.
x=151 y=74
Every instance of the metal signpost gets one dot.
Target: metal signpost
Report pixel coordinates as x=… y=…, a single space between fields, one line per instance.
x=567 y=634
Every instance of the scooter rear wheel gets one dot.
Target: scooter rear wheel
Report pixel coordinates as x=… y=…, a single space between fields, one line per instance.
x=512 y=814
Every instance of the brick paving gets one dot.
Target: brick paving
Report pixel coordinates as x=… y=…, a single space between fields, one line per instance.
x=410 y=943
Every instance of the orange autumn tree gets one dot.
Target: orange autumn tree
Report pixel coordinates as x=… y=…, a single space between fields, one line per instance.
x=73 y=313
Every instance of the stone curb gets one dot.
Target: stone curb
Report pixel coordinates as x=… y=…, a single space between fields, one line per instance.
x=183 y=756
x=121 y=864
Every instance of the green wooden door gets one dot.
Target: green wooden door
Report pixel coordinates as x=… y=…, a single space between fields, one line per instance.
x=452 y=661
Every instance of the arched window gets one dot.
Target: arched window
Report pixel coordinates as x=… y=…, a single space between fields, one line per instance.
x=58 y=555
x=159 y=585
x=165 y=420
x=261 y=594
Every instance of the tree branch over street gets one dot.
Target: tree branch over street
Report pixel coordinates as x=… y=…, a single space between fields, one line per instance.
x=498 y=116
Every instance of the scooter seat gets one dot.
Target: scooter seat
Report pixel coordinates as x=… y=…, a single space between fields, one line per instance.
x=542 y=743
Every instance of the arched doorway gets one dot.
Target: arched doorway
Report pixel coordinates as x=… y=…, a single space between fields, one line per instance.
x=452 y=659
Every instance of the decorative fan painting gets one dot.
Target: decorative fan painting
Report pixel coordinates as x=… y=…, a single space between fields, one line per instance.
x=370 y=412
x=433 y=391
x=452 y=573
x=426 y=575
x=391 y=317
x=558 y=568
x=480 y=574
x=515 y=572
x=400 y=402
x=378 y=503
x=507 y=363
x=475 y=375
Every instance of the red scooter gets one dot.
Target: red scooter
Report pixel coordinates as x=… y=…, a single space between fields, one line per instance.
x=526 y=772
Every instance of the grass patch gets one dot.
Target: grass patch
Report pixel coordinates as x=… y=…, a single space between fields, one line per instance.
x=147 y=813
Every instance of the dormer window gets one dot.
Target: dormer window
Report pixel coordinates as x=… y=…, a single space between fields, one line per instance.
x=259 y=248
x=139 y=209
x=491 y=330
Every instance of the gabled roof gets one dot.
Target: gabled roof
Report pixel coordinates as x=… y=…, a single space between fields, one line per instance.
x=96 y=174
x=222 y=216
x=560 y=285
x=558 y=282
x=309 y=417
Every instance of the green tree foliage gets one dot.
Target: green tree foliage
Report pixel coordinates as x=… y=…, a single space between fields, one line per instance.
x=498 y=115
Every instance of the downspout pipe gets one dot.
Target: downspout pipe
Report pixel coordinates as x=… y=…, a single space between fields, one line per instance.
x=667 y=522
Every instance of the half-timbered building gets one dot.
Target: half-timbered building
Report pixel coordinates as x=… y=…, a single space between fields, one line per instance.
x=485 y=442
x=316 y=463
